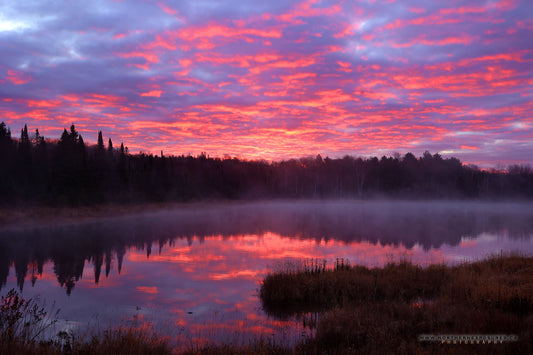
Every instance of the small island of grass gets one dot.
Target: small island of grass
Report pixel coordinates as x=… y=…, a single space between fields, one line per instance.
x=385 y=310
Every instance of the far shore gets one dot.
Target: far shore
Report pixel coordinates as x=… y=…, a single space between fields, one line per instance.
x=24 y=216
x=38 y=215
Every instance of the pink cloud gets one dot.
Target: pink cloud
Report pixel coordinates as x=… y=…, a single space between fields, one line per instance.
x=167 y=9
x=297 y=78
x=17 y=77
x=153 y=93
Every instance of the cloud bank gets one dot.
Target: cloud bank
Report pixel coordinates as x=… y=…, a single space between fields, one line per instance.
x=276 y=80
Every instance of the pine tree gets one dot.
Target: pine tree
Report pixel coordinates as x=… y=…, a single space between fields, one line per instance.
x=24 y=138
x=5 y=138
x=100 y=144
x=73 y=134
x=110 y=148
x=40 y=144
x=25 y=145
x=64 y=141
x=3 y=130
x=37 y=137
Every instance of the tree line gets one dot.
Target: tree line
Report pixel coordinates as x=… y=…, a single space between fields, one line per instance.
x=67 y=171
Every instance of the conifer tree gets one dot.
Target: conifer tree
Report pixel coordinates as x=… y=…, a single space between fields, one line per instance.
x=100 y=144
x=5 y=138
x=24 y=139
x=64 y=141
x=3 y=130
x=24 y=148
x=110 y=148
x=73 y=134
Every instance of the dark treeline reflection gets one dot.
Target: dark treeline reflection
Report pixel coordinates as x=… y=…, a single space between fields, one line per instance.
x=69 y=246
x=68 y=172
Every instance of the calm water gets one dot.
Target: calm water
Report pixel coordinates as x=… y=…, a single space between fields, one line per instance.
x=192 y=273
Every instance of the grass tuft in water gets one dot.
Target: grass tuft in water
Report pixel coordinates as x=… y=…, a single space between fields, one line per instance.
x=384 y=310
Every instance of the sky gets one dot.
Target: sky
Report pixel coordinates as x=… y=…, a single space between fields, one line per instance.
x=275 y=79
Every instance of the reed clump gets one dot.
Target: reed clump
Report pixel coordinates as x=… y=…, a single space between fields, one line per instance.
x=121 y=341
x=384 y=310
x=255 y=347
x=26 y=327
x=313 y=286
x=499 y=282
x=117 y=341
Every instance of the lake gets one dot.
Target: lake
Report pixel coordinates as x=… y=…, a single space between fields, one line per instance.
x=193 y=272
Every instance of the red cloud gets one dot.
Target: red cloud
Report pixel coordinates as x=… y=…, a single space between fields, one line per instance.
x=18 y=77
x=167 y=9
x=468 y=147
x=153 y=93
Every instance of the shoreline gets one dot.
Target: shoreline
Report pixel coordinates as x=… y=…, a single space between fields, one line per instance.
x=43 y=215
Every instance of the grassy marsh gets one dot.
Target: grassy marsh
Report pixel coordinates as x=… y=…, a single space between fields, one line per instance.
x=383 y=310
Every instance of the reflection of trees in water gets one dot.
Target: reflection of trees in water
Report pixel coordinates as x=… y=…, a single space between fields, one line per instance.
x=70 y=246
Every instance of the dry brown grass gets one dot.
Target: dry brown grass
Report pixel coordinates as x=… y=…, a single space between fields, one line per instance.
x=383 y=310
x=121 y=341
x=27 y=328
x=500 y=282
x=257 y=347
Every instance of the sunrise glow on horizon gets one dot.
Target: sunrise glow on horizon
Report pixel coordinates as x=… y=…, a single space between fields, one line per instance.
x=275 y=80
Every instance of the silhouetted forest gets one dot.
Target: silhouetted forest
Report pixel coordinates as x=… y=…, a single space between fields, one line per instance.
x=66 y=171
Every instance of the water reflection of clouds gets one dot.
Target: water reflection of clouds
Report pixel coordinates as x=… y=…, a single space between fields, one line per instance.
x=174 y=271
x=208 y=289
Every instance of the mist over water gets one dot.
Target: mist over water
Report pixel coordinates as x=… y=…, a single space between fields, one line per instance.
x=193 y=272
